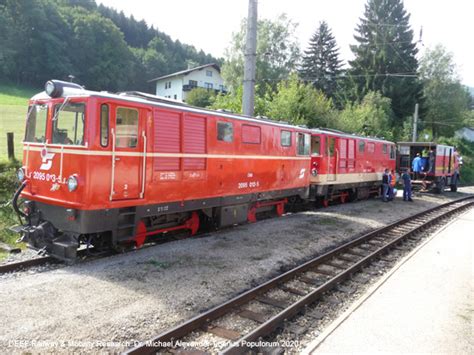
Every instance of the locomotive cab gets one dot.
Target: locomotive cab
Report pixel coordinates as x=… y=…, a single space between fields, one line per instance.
x=72 y=138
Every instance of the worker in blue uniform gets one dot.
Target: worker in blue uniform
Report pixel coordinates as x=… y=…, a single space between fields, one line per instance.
x=406 y=186
x=417 y=166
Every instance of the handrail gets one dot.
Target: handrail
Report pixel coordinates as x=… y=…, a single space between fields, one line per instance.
x=142 y=193
x=112 y=178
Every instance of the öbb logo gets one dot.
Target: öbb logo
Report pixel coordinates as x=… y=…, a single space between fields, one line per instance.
x=46 y=159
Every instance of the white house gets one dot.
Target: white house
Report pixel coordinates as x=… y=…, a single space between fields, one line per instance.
x=467 y=133
x=178 y=85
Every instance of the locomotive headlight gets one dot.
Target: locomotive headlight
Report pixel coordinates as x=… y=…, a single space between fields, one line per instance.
x=314 y=172
x=50 y=88
x=72 y=183
x=20 y=174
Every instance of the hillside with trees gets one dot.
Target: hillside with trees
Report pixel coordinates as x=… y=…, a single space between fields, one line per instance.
x=102 y=48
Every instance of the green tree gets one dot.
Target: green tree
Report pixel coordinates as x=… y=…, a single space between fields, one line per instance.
x=321 y=65
x=232 y=101
x=447 y=101
x=99 y=53
x=300 y=103
x=200 y=97
x=385 y=58
x=277 y=53
x=370 y=117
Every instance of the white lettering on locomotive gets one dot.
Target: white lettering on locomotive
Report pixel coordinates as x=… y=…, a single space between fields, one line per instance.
x=302 y=171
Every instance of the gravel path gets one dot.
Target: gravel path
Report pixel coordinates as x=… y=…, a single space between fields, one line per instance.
x=134 y=296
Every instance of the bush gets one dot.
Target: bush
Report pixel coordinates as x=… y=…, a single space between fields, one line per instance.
x=8 y=184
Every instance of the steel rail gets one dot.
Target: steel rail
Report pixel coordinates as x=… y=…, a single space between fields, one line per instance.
x=201 y=321
x=21 y=265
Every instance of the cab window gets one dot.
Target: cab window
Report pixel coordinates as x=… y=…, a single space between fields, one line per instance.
x=392 y=152
x=104 y=125
x=315 y=145
x=36 y=124
x=303 y=143
x=332 y=147
x=68 y=123
x=127 y=127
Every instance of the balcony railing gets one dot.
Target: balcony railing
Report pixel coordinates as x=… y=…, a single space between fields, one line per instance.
x=188 y=87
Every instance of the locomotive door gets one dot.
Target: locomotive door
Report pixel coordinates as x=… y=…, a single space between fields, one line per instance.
x=127 y=146
x=332 y=159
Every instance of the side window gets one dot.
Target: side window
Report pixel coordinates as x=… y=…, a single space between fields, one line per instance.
x=127 y=127
x=392 y=152
x=361 y=146
x=384 y=149
x=315 y=145
x=104 y=125
x=332 y=147
x=285 y=138
x=251 y=134
x=225 y=131
x=303 y=143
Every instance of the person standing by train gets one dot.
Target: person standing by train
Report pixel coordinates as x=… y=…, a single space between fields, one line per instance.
x=393 y=182
x=385 y=185
x=406 y=186
x=417 y=166
x=431 y=161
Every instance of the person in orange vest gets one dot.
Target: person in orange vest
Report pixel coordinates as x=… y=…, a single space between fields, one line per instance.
x=393 y=182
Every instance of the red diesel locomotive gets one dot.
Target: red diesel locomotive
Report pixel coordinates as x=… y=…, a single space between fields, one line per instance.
x=109 y=170
x=346 y=167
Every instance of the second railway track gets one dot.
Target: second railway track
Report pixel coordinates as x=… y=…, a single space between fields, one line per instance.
x=283 y=300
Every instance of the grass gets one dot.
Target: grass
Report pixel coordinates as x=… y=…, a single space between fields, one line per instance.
x=13 y=108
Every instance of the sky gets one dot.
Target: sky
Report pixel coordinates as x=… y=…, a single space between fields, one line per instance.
x=209 y=24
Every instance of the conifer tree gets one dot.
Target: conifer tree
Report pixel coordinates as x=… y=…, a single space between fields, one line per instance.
x=385 y=58
x=321 y=65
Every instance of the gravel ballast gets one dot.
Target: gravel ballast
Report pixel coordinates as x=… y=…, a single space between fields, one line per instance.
x=103 y=304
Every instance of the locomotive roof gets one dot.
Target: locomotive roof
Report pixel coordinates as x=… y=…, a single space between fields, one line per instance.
x=150 y=99
x=348 y=135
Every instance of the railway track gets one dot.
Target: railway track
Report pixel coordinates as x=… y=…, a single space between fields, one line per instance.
x=283 y=299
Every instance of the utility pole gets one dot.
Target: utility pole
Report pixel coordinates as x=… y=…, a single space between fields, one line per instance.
x=248 y=96
x=415 y=122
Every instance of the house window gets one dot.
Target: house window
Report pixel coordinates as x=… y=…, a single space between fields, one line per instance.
x=225 y=131
x=208 y=72
x=208 y=85
x=221 y=88
x=168 y=85
x=175 y=97
x=193 y=83
x=285 y=138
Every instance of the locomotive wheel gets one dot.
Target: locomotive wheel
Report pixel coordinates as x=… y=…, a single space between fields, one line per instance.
x=440 y=186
